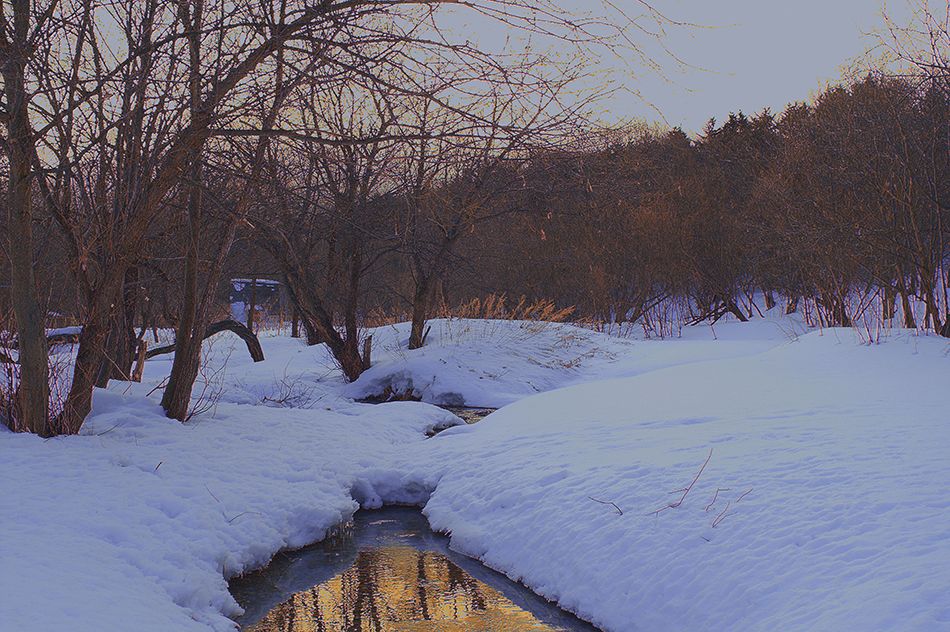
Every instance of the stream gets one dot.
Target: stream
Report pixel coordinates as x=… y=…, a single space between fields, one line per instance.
x=389 y=571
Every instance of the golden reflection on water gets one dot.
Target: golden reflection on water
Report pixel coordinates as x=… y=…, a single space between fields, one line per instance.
x=400 y=589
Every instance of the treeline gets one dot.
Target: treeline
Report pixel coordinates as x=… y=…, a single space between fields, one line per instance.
x=843 y=202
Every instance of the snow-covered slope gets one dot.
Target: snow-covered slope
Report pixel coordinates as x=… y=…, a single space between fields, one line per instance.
x=494 y=363
x=136 y=523
x=824 y=504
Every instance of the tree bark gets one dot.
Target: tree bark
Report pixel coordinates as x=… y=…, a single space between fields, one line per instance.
x=33 y=388
x=89 y=357
x=909 y=320
x=420 y=312
x=176 y=398
x=295 y=324
x=121 y=340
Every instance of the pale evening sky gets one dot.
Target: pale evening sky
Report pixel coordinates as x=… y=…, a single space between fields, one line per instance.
x=752 y=53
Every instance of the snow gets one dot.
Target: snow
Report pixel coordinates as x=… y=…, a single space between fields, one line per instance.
x=829 y=456
x=136 y=523
x=846 y=526
x=494 y=363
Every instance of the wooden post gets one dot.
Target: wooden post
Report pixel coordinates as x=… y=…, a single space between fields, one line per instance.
x=367 y=351
x=253 y=304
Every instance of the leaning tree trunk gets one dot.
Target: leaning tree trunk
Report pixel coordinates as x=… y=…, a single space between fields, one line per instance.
x=33 y=388
x=249 y=337
x=733 y=308
x=317 y=320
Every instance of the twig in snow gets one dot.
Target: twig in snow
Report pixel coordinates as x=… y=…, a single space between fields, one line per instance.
x=715 y=496
x=104 y=432
x=161 y=385
x=685 y=490
x=743 y=496
x=212 y=494
x=158 y=466
x=721 y=516
x=607 y=502
x=244 y=513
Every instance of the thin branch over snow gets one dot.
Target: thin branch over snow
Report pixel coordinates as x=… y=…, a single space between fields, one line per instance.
x=685 y=490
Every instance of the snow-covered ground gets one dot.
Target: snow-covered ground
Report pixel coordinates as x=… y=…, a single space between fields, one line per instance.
x=823 y=503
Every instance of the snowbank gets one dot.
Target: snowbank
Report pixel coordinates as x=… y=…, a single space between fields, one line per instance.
x=494 y=363
x=832 y=511
x=136 y=524
x=828 y=456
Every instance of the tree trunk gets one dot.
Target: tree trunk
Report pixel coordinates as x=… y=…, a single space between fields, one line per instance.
x=318 y=322
x=313 y=336
x=126 y=351
x=91 y=353
x=932 y=310
x=176 y=399
x=420 y=310
x=177 y=396
x=887 y=300
x=909 y=320
x=33 y=388
x=295 y=324
x=121 y=340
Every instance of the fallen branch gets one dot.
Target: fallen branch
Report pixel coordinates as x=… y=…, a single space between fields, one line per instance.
x=53 y=339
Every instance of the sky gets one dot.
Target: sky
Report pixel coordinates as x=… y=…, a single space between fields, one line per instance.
x=752 y=54
x=740 y=54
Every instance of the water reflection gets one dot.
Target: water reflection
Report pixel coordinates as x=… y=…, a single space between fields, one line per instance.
x=389 y=573
x=399 y=588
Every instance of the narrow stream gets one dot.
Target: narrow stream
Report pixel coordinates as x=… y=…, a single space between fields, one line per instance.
x=389 y=571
